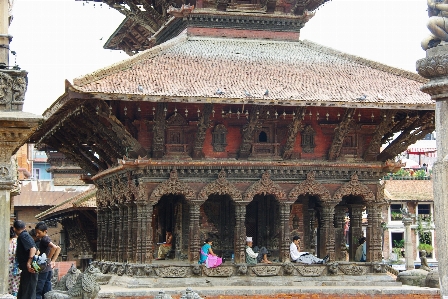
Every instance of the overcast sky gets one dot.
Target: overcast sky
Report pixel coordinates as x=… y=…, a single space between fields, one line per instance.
x=63 y=39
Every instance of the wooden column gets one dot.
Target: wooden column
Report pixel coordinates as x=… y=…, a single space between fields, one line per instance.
x=101 y=236
x=149 y=245
x=134 y=230
x=120 y=234
x=141 y=232
x=285 y=238
x=125 y=233
x=240 y=233
x=130 y=248
x=194 y=232
x=114 y=236
x=326 y=245
x=109 y=233
x=339 y=233
x=355 y=228
x=374 y=233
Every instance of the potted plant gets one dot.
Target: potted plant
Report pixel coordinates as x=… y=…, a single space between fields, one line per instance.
x=426 y=247
x=398 y=248
x=396 y=216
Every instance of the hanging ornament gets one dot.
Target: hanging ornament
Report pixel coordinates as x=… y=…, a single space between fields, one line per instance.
x=372 y=116
x=199 y=111
x=238 y=113
x=247 y=114
x=186 y=112
x=359 y=116
x=327 y=115
x=175 y=110
x=339 y=115
x=213 y=112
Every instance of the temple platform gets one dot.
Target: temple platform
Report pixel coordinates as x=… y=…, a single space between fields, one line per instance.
x=276 y=280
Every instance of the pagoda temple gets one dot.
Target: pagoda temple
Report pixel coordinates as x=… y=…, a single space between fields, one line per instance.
x=224 y=124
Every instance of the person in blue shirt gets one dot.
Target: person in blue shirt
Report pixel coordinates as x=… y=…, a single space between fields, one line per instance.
x=206 y=249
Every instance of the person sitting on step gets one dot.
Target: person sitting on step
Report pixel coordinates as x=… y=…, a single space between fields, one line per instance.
x=165 y=247
x=303 y=257
x=252 y=258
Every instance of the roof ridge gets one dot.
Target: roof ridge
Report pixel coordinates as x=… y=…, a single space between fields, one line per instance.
x=367 y=62
x=129 y=62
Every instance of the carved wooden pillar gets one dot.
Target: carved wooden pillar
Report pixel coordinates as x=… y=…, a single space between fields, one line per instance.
x=141 y=232
x=374 y=233
x=149 y=251
x=134 y=230
x=125 y=233
x=109 y=233
x=285 y=239
x=114 y=237
x=101 y=234
x=120 y=248
x=355 y=228
x=194 y=232
x=240 y=233
x=309 y=235
x=130 y=243
x=340 y=241
x=326 y=245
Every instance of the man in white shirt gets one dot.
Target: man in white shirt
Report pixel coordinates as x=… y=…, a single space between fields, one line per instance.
x=303 y=257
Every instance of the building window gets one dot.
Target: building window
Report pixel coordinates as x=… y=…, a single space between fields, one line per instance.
x=36 y=173
x=395 y=212
x=308 y=134
x=424 y=210
x=397 y=240
x=263 y=137
x=219 y=137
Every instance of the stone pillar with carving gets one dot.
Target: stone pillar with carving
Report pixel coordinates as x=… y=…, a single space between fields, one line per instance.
x=327 y=241
x=435 y=68
x=285 y=238
x=240 y=233
x=340 y=242
x=15 y=128
x=194 y=232
x=408 y=246
x=355 y=228
x=374 y=233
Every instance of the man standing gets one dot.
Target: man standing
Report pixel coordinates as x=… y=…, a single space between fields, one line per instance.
x=25 y=252
x=360 y=255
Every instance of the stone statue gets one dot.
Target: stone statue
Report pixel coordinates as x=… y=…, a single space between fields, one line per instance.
x=85 y=287
x=68 y=280
x=424 y=262
x=437 y=24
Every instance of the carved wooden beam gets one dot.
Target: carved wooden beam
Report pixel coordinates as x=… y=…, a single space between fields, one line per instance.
x=415 y=131
x=68 y=152
x=95 y=143
x=74 y=143
x=249 y=129
x=399 y=125
x=131 y=146
x=135 y=14
x=154 y=14
x=108 y=140
x=203 y=125
x=385 y=126
x=158 y=144
x=293 y=129
x=340 y=132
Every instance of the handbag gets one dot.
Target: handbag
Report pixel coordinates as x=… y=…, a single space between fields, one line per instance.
x=213 y=261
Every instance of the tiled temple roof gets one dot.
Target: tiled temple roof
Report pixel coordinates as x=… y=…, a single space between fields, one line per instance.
x=194 y=68
x=42 y=193
x=84 y=200
x=405 y=190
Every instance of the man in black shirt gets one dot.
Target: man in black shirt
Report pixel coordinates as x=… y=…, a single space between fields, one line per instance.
x=25 y=252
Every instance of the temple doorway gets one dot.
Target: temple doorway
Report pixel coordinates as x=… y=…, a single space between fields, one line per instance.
x=219 y=224
x=263 y=223
x=171 y=213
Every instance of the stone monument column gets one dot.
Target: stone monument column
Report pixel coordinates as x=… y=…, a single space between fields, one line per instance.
x=408 y=246
x=15 y=128
x=435 y=68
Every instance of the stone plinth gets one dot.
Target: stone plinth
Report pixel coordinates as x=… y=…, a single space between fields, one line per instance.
x=435 y=68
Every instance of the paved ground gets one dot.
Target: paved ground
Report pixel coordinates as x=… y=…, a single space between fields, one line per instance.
x=109 y=291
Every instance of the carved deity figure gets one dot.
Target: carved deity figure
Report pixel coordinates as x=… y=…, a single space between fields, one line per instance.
x=437 y=24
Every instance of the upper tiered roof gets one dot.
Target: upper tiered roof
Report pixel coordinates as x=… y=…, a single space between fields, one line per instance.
x=231 y=70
